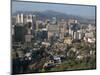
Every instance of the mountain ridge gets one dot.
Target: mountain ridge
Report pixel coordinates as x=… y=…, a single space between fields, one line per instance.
x=48 y=14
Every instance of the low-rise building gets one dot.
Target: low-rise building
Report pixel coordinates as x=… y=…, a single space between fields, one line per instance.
x=28 y=38
x=67 y=40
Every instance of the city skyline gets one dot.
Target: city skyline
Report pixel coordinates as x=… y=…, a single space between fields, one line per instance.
x=82 y=10
x=52 y=41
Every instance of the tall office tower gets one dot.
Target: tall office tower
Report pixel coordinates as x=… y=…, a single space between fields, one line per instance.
x=70 y=30
x=28 y=34
x=47 y=24
x=37 y=26
x=73 y=28
x=62 y=34
x=77 y=35
x=53 y=30
x=34 y=18
x=62 y=27
x=44 y=34
x=30 y=25
x=29 y=18
x=31 y=22
x=19 y=33
x=54 y=20
x=13 y=20
x=20 y=18
x=29 y=28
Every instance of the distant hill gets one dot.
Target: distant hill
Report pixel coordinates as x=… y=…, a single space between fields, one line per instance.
x=49 y=14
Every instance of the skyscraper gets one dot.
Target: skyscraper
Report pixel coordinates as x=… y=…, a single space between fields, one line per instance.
x=20 y=18
x=19 y=33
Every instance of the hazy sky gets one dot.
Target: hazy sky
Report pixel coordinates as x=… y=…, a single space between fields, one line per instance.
x=84 y=11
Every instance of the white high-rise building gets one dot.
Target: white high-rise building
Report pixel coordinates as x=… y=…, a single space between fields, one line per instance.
x=70 y=31
x=20 y=18
x=29 y=18
x=77 y=35
x=54 y=20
